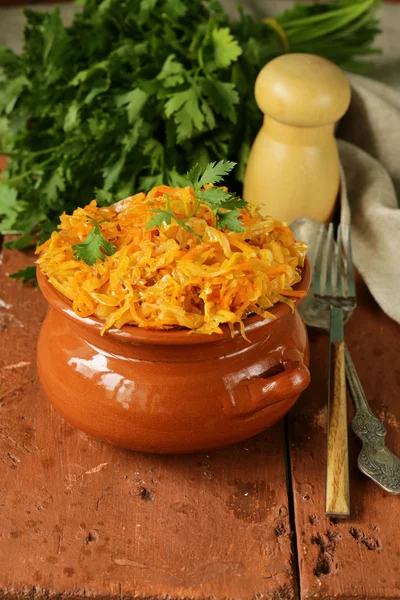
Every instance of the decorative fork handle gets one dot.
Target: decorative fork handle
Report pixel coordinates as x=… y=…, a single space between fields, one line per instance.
x=375 y=459
x=337 y=500
x=357 y=392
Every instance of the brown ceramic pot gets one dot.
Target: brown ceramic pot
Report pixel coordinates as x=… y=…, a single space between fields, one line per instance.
x=171 y=391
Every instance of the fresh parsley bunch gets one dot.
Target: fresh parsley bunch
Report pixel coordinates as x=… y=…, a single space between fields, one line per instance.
x=136 y=91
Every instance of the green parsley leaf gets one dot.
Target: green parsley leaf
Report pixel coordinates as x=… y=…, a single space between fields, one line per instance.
x=184 y=106
x=217 y=197
x=27 y=275
x=160 y=217
x=11 y=92
x=208 y=115
x=172 y=72
x=4 y=134
x=91 y=249
x=104 y=198
x=54 y=186
x=72 y=120
x=112 y=173
x=215 y=172
x=134 y=102
x=234 y=202
x=214 y=197
x=223 y=96
x=20 y=243
x=167 y=216
x=10 y=208
x=226 y=48
x=230 y=220
x=193 y=177
x=175 y=9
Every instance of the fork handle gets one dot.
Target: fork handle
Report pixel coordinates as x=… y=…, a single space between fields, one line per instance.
x=337 y=500
x=356 y=389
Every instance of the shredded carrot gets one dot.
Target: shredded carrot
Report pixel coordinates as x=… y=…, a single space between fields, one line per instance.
x=294 y=293
x=168 y=277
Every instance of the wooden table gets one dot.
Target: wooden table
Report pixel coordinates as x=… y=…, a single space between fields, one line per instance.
x=82 y=518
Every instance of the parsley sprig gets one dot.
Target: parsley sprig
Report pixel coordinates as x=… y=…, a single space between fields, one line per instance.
x=222 y=203
x=92 y=247
x=167 y=216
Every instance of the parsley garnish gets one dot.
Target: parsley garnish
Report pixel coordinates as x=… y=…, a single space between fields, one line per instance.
x=92 y=247
x=223 y=204
x=167 y=216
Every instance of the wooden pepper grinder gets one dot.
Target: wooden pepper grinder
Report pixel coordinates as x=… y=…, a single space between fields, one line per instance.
x=293 y=168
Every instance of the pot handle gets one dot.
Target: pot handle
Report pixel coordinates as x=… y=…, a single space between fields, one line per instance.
x=262 y=392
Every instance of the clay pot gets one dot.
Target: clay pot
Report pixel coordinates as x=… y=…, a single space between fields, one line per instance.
x=172 y=391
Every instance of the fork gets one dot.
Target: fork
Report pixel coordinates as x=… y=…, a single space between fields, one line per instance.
x=375 y=460
x=334 y=290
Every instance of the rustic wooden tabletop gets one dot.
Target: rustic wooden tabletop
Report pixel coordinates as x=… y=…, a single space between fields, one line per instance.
x=81 y=518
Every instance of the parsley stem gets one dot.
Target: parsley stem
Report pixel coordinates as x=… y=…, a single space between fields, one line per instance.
x=182 y=223
x=26 y=173
x=169 y=205
x=44 y=151
x=193 y=213
x=53 y=148
x=196 y=75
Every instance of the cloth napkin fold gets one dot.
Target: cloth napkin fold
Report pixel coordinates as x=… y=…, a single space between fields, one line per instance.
x=369 y=151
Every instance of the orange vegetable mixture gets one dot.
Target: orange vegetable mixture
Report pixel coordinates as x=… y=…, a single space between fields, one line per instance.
x=167 y=277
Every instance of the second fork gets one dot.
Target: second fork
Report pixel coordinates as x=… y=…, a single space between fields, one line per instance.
x=333 y=295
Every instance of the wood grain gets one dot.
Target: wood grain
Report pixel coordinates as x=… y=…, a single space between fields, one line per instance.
x=358 y=557
x=82 y=518
x=337 y=500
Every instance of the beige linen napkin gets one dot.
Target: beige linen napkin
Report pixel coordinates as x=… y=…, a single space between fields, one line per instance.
x=371 y=129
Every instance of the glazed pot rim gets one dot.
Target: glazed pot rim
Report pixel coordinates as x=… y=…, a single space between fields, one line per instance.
x=174 y=337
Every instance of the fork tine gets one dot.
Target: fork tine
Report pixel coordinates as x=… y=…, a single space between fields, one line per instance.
x=339 y=263
x=329 y=260
x=351 y=288
x=319 y=256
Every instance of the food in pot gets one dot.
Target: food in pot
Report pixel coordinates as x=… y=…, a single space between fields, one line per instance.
x=193 y=257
